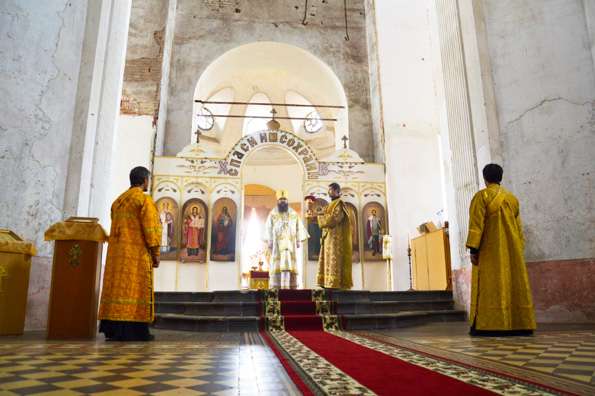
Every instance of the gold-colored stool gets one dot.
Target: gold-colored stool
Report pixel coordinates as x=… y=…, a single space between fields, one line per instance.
x=15 y=267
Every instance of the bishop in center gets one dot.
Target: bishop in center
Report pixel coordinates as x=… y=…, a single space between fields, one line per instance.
x=284 y=233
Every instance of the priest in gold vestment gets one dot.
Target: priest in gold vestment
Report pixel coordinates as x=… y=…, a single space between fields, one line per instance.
x=501 y=302
x=334 y=263
x=284 y=234
x=126 y=307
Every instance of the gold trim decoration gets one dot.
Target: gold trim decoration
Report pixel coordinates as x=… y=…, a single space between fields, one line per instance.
x=12 y=243
x=3 y=274
x=74 y=255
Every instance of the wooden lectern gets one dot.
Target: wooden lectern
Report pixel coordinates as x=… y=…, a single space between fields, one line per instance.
x=76 y=270
x=431 y=261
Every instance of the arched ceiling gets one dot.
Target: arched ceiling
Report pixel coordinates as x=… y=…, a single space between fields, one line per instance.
x=274 y=69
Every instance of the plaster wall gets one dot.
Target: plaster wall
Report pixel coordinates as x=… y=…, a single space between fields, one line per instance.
x=544 y=81
x=40 y=54
x=133 y=145
x=407 y=59
x=204 y=31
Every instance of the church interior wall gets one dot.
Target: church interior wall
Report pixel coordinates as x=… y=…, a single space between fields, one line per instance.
x=204 y=31
x=132 y=147
x=544 y=82
x=41 y=56
x=415 y=185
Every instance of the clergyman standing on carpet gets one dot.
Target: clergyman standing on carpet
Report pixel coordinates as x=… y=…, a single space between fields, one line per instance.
x=284 y=234
x=501 y=302
x=127 y=307
x=334 y=263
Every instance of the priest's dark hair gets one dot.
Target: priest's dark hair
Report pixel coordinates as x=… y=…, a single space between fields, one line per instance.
x=138 y=176
x=492 y=173
x=335 y=186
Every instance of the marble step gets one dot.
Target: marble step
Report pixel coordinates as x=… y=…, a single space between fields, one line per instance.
x=197 y=323
x=401 y=319
x=366 y=295
x=339 y=296
x=215 y=296
x=221 y=308
x=388 y=307
x=220 y=324
x=234 y=308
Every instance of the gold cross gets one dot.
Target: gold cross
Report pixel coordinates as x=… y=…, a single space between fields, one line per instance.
x=345 y=139
x=3 y=274
x=274 y=113
x=197 y=133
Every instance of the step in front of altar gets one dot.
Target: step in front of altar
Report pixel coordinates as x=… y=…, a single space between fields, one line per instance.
x=227 y=311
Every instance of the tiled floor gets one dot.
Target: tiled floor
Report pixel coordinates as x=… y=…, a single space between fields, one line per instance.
x=178 y=363
x=563 y=356
x=186 y=363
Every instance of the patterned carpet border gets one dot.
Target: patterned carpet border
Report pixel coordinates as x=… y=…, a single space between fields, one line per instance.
x=530 y=378
x=320 y=375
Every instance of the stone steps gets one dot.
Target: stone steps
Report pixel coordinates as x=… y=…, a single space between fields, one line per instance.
x=227 y=311
x=401 y=319
x=210 y=308
x=221 y=324
x=390 y=307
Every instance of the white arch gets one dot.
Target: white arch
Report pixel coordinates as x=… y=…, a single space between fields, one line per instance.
x=252 y=125
x=274 y=68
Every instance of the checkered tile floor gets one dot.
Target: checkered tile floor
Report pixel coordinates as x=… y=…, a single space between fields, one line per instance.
x=562 y=355
x=569 y=355
x=220 y=365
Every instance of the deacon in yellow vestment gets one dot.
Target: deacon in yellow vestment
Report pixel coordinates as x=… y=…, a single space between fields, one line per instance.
x=500 y=293
x=334 y=263
x=133 y=250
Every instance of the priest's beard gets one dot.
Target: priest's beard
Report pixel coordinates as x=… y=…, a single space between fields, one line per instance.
x=282 y=207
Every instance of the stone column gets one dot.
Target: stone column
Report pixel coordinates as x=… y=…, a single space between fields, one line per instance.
x=168 y=42
x=86 y=112
x=458 y=116
x=375 y=87
x=98 y=107
x=589 y=7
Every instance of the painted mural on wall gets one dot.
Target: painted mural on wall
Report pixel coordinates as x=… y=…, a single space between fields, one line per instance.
x=169 y=219
x=314 y=208
x=373 y=217
x=352 y=212
x=223 y=232
x=194 y=231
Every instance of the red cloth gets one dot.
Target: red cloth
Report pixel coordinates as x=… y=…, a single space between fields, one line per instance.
x=259 y=275
x=381 y=373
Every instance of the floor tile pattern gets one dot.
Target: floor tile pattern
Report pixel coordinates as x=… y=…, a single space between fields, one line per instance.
x=563 y=359
x=234 y=364
x=498 y=384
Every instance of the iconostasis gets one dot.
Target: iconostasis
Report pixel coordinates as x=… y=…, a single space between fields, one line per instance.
x=213 y=210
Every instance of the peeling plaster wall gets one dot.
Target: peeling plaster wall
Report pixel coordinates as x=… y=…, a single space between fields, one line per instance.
x=144 y=53
x=540 y=53
x=207 y=29
x=40 y=50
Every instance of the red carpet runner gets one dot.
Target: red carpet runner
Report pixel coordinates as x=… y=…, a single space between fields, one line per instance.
x=377 y=371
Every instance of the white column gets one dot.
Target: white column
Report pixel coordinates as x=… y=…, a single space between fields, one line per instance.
x=109 y=110
x=589 y=6
x=97 y=109
x=86 y=113
x=168 y=42
x=458 y=116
